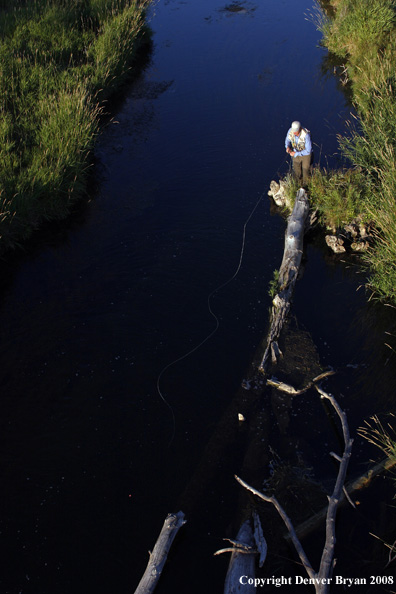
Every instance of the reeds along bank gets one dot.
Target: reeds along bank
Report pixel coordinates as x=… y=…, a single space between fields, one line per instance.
x=363 y=37
x=59 y=62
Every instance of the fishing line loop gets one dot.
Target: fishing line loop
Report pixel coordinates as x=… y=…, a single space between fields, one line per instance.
x=217 y=323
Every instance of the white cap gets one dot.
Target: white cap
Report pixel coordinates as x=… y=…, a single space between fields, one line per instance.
x=296 y=126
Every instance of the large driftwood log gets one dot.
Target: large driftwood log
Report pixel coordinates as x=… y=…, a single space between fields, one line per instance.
x=350 y=489
x=160 y=552
x=288 y=273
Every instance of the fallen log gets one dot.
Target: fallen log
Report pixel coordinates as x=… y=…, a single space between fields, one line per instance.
x=160 y=552
x=351 y=488
x=288 y=274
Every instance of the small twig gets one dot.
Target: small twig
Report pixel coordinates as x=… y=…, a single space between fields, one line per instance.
x=318 y=378
x=236 y=550
x=239 y=545
x=347 y=497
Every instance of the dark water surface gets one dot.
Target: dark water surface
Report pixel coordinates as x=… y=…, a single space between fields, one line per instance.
x=92 y=316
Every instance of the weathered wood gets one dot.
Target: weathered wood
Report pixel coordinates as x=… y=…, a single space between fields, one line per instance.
x=282 y=387
x=260 y=541
x=241 y=563
x=326 y=563
x=321 y=579
x=288 y=274
x=352 y=487
x=160 y=552
x=297 y=545
x=287 y=277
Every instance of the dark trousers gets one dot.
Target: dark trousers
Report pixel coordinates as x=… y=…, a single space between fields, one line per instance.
x=302 y=168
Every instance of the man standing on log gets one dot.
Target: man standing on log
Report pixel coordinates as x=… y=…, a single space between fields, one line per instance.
x=299 y=146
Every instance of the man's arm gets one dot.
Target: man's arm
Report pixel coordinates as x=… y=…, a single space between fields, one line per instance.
x=288 y=144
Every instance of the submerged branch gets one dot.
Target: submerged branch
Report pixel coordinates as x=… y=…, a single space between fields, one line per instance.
x=321 y=579
x=298 y=546
x=283 y=387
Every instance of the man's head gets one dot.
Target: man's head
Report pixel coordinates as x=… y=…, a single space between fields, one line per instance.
x=296 y=127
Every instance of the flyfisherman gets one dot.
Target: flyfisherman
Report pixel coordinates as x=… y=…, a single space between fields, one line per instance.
x=299 y=146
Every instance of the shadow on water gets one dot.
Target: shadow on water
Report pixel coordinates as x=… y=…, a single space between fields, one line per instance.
x=93 y=312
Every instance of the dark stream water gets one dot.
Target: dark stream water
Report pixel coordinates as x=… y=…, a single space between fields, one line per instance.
x=91 y=461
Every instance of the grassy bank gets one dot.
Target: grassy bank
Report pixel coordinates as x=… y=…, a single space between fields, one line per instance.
x=59 y=61
x=362 y=35
x=383 y=436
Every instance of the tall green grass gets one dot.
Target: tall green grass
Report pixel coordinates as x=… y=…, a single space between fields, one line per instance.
x=59 y=60
x=383 y=437
x=339 y=196
x=364 y=35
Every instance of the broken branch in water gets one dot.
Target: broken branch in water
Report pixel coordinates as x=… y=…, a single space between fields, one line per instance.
x=320 y=579
x=361 y=482
x=298 y=546
x=160 y=552
x=326 y=562
x=282 y=387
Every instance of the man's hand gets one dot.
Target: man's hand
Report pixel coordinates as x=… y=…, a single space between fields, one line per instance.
x=291 y=153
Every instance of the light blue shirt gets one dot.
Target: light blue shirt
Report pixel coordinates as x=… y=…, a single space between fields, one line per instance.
x=308 y=145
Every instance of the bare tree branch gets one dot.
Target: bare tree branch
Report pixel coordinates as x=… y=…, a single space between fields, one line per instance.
x=282 y=387
x=298 y=546
x=321 y=579
x=160 y=552
x=326 y=563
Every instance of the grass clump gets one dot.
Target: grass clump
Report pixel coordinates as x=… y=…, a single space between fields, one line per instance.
x=360 y=27
x=384 y=438
x=338 y=196
x=58 y=62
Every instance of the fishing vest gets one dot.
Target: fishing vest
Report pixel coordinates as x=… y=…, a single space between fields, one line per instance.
x=300 y=144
